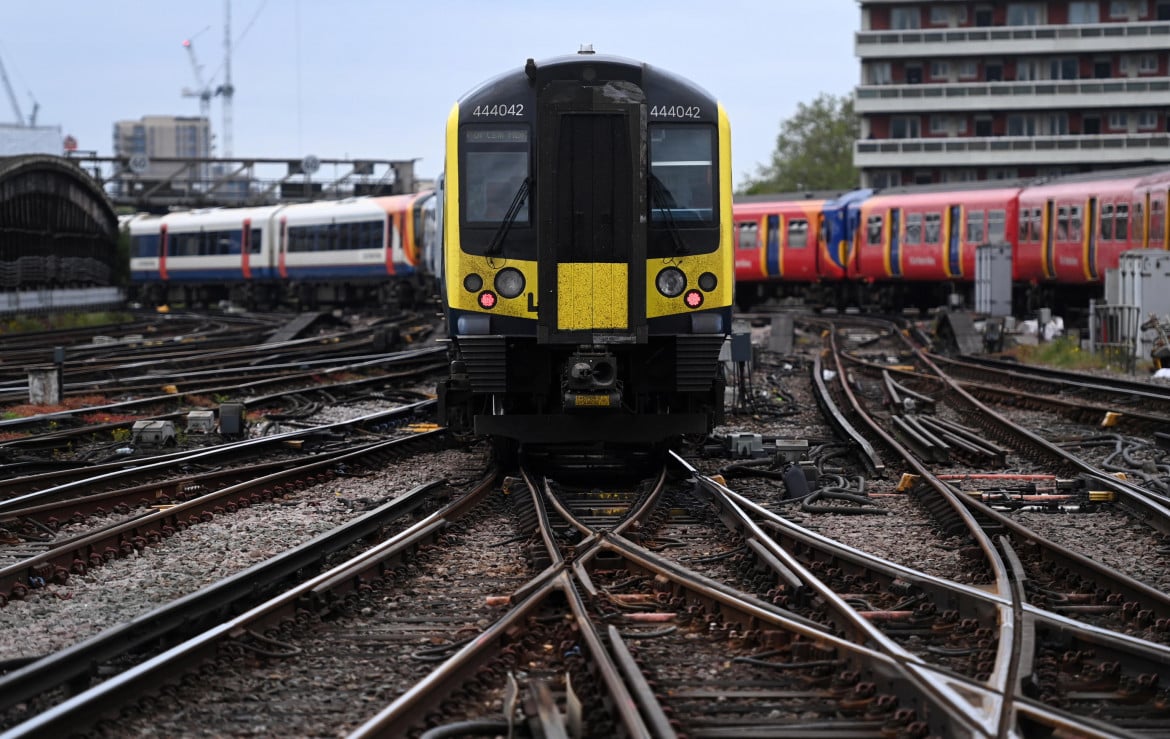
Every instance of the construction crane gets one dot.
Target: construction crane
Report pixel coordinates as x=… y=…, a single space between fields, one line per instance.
x=226 y=90
x=12 y=97
x=203 y=91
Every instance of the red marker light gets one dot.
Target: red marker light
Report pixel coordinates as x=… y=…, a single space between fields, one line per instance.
x=487 y=299
x=693 y=298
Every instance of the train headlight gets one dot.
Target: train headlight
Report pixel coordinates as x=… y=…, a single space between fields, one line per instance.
x=708 y=281
x=509 y=282
x=693 y=298
x=487 y=299
x=671 y=282
x=472 y=283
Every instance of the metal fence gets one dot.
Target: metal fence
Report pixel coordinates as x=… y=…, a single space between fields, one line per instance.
x=1115 y=332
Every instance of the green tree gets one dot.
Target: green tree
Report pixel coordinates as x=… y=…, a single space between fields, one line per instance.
x=814 y=150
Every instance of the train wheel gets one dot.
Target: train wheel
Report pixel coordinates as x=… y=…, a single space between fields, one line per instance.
x=506 y=454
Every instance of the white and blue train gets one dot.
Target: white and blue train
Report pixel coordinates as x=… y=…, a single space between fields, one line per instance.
x=367 y=250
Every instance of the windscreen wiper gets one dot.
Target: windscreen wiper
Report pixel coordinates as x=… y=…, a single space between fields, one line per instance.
x=663 y=200
x=497 y=242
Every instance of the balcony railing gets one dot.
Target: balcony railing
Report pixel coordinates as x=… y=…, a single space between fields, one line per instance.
x=1107 y=142
x=1015 y=33
x=997 y=90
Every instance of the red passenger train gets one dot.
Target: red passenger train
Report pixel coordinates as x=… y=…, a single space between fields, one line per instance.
x=916 y=247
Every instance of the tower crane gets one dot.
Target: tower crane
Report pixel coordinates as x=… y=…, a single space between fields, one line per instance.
x=203 y=91
x=227 y=91
x=12 y=97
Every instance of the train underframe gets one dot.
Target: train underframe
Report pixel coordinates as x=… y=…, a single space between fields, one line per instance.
x=1071 y=302
x=404 y=292
x=539 y=394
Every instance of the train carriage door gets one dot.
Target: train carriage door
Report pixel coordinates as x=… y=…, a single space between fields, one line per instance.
x=954 y=243
x=591 y=248
x=1049 y=231
x=1091 y=217
x=894 y=255
x=772 y=241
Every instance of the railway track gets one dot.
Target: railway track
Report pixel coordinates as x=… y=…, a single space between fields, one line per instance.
x=846 y=580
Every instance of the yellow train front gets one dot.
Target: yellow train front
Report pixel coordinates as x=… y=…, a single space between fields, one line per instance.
x=587 y=246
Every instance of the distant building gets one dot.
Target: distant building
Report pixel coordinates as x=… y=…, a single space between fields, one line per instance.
x=960 y=91
x=162 y=137
x=16 y=140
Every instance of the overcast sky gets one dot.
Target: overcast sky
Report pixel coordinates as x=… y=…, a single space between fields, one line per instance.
x=377 y=78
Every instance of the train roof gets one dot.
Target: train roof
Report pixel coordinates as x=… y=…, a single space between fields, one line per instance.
x=771 y=197
x=550 y=68
x=945 y=197
x=214 y=217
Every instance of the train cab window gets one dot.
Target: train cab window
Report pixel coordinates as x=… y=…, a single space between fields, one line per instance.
x=1074 y=223
x=797 y=233
x=1121 y=222
x=748 y=234
x=1062 y=223
x=873 y=230
x=996 y=226
x=932 y=233
x=495 y=168
x=1107 y=222
x=975 y=231
x=913 y=229
x=682 y=174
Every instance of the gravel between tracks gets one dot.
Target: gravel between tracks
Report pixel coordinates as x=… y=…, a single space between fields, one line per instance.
x=57 y=616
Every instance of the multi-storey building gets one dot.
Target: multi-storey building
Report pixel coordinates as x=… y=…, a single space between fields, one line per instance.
x=961 y=90
x=164 y=137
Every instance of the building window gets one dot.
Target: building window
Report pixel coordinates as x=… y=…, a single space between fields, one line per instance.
x=1021 y=125
x=880 y=74
x=940 y=15
x=1063 y=68
x=905 y=18
x=968 y=70
x=1002 y=173
x=940 y=70
x=939 y=124
x=1147 y=120
x=890 y=178
x=1147 y=63
x=905 y=127
x=1118 y=121
x=1084 y=12
x=1119 y=9
x=1028 y=69
x=1025 y=14
x=959 y=175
